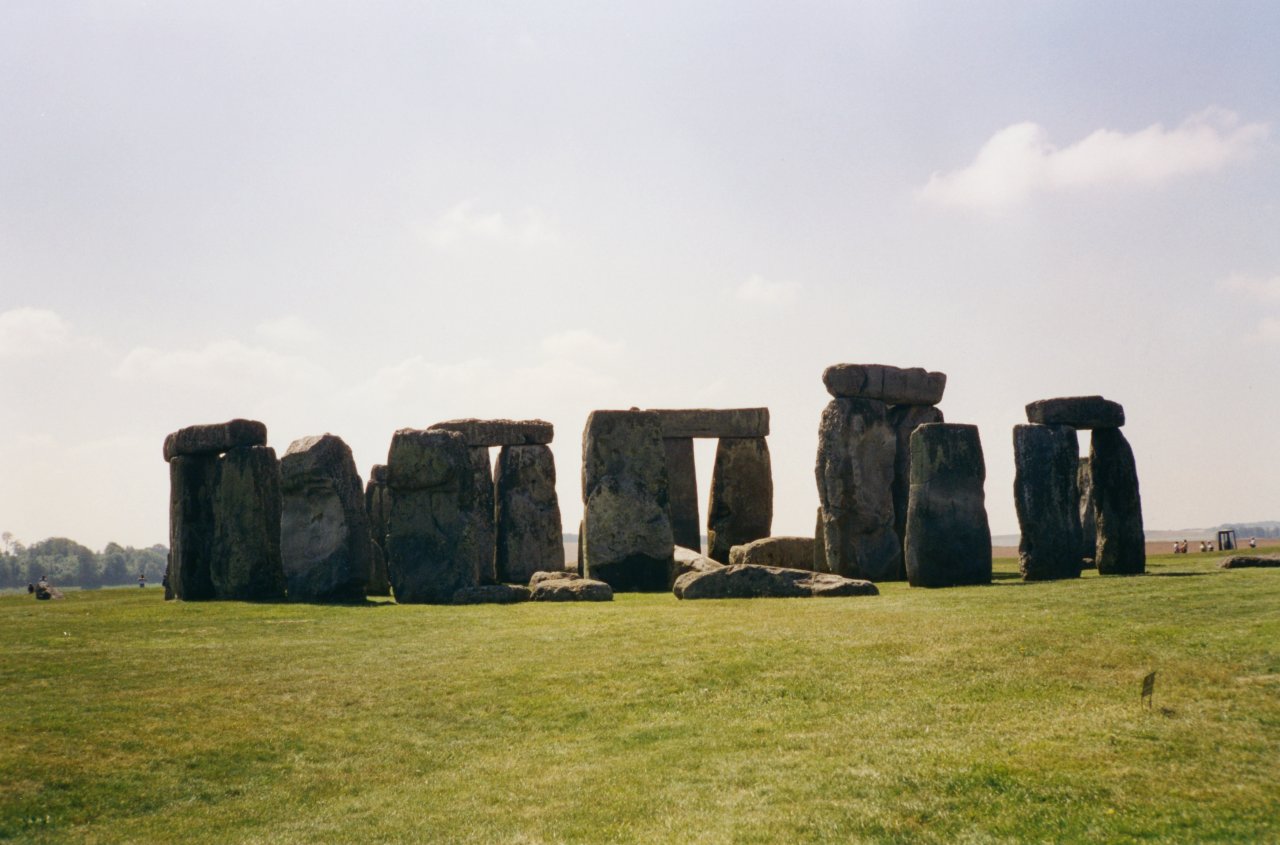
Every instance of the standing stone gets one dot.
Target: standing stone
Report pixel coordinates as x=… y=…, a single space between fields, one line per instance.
x=948 y=539
x=244 y=559
x=483 y=516
x=325 y=539
x=582 y=533
x=1047 y=500
x=627 y=539
x=1117 y=505
x=1088 y=524
x=376 y=506
x=904 y=419
x=530 y=534
x=741 y=506
x=191 y=482
x=682 y=486
x=430 y=543
x=856 y=451
x=819 y=546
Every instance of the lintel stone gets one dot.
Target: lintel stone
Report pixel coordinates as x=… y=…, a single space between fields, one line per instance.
x=500 y=432
x=214 y=439
x=891 y=385
x=711 y=423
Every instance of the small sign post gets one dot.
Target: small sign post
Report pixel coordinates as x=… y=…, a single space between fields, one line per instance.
x=1148 y=687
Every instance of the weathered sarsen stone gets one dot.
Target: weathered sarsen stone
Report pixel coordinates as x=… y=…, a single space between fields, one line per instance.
x=891 y=385
x=709 y=422
x=191 y=483
x=571 y=589
x=1079 y=412
x=1047 y=501
x=430 y=544
x=529 y=535
x=1250 y=562
x=483 y=516
x=682 y=487
x=325 y=539
x=745 y=581
x=215 y=438
x=856 y=451
x=688 y=560
x=627 y=540
x=948 y=537
x=1117 y=505
x=500 y=432
x=244 y=558
x=904 y=419
x=786 y=552
x=377 y=504
x=741 y=506
x=1088 y=524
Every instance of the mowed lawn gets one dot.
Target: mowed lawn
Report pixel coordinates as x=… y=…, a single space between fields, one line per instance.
x=1004 y=713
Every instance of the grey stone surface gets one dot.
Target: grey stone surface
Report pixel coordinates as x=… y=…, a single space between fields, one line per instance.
x=325 y=538
x=379 y=581
x=948 y=537
x=492 y=594
x=891 y=385
x=529 y=533
x=244 y=558
x=709 y=422
x=1117 y=505
x=378 y=474
x=819 y=546
x=786 y=552
x=484 y=526
x=215 y=438
x=1079 y=412
x=856 y=454
x=744 y=581
x=1250 y=562
x=572 y=589
x=1047 y=501
x=741 y=506
x=500 y=432
x=552 y=575
x=191 y=483
x=688 y=560
x=682 y=487
x=904 y=419
x=430 y=543
x=377 y=505
x=627 y=538
x=1088 y=524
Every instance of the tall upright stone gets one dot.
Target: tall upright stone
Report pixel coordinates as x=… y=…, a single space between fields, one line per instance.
x=1088 y=524
x=741 y=506
x=483 y=515
x=325 y=540
x=856 y=454
x=1117 y=504
x=904 y=419
x=682 y=481
x=191 y=483
x=819 y=545
x=1047 y=501
x=377 y=504
x=627 y=538
x=530 y=534
x=431 y=550
x=948 y=538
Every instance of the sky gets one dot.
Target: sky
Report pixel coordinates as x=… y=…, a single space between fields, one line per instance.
x=355 y=218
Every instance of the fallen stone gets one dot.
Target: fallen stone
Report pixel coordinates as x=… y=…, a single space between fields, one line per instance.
x=529 y=532
x=500 y=432
x=856 y=453
x=948 y=539
x=891 y=385
x=492 y=594
x=1079 y=412
x=904 y=419
x=325 y=539
x=744 y=581
x=1250 y=561
x=1117 y=505
x=741 y=506
x=572 y=589
x=682 y=491
x=483 y=518
x=1045 y=496
x=688 y=560
x=786 y=552
x=553 y=575
x=214 y=439
x=707 y=422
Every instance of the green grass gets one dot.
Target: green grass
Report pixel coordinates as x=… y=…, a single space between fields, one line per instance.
x=1007 y=713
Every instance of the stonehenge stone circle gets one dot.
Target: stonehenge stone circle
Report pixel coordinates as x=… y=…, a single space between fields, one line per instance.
x=745 y=581
x=948 y=540
x=627 y=540
x=682 y=486
x=431 y=550
x=856 y=454
x=713 y=423
x=891 y=385
x=1079 y=412
x=1088 y=524
x=376 y=507
x=1117 y=505
x=1046 y=500
x=483 y=518
x=500 y=432
x=785 y=552
x=904 y=419
x=529 y=532
x=1250 y=562
x=325 y=541
x=741 y=506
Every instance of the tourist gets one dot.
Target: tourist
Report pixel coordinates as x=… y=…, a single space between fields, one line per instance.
x=142 y=579
x=1253 y=543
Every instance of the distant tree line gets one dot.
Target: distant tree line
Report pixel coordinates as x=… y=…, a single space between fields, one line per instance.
x=1257 y=529
x=69 y=564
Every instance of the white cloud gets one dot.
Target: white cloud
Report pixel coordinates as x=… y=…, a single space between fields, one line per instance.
x=223 y=364
x=579 y=344
x=1264 y=289
x=30 y=332
x=1020 y=160
x=762 y=291
x=290 y=330
x=466 y=223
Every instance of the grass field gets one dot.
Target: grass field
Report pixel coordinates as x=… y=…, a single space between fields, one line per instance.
x=1006 y=713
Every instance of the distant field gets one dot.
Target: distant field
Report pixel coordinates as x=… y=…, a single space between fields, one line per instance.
x=1005 y=713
